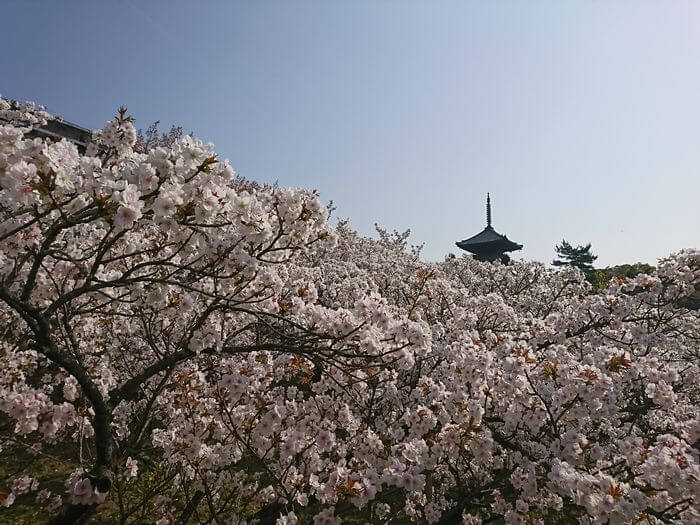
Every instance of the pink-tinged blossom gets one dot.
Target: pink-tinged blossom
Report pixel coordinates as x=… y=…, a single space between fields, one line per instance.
x=327 y=517
x=6 y=500
x=325 y=440
x=164 y=206
x=24 y=484
x=288 y=519
x=131 y=468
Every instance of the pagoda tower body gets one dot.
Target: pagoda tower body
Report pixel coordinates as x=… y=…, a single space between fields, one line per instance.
x=489 y=245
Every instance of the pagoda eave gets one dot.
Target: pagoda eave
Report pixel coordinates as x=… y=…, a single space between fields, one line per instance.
x=504 y=245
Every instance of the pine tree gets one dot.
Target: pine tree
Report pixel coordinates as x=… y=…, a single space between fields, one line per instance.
x=579 y=257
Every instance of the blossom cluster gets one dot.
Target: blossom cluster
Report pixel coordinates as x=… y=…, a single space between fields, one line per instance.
x=215 y=348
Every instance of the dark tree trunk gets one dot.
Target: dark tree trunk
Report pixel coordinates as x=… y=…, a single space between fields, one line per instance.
x=73 y=515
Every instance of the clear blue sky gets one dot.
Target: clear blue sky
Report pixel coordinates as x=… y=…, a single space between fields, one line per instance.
x=581 y=118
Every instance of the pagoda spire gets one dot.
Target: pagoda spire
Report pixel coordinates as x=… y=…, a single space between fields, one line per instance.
x=488 y=209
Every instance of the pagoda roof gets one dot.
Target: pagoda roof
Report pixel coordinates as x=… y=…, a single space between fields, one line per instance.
x=488 y=239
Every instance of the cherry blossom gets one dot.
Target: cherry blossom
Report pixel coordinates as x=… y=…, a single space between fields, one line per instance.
x=213 y=349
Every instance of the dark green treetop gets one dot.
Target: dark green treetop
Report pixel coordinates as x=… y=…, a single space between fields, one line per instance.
x=579 y=256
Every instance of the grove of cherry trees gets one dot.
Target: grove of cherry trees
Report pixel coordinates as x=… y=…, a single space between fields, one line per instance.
x=193 y=347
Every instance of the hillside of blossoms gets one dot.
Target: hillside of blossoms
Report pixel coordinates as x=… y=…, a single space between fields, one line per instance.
x=181 y=345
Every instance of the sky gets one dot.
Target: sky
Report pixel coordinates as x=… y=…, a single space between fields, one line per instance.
x=581 y=118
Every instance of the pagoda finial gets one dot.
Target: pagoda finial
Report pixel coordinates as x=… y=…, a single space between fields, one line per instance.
x=488 y=209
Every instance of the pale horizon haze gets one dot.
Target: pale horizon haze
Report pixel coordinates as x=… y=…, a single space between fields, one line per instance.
x=581 y=118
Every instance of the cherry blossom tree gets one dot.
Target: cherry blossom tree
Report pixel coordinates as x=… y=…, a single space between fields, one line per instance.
x=197 y=348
